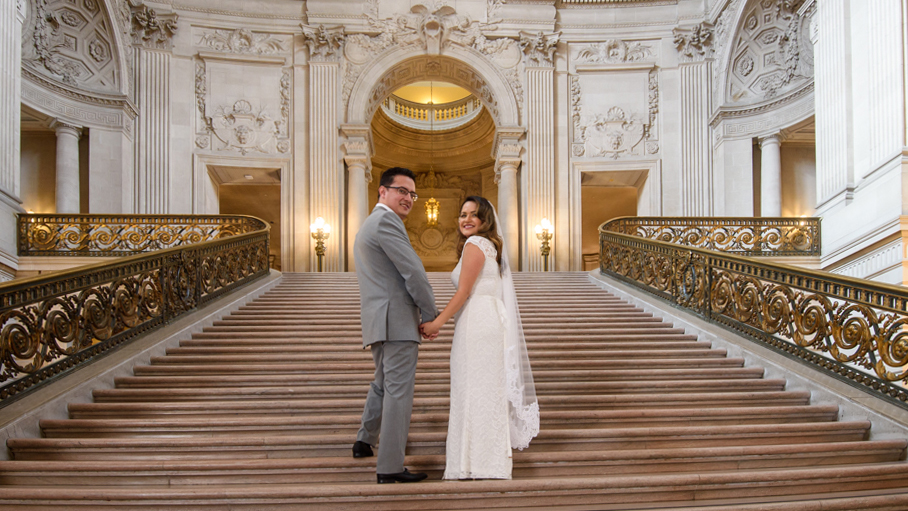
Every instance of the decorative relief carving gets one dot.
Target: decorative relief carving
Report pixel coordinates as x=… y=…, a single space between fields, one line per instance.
x=614 y=51
x=773 y=55
x=492 y=8
x=238 y=127
x=577 y=148
x=70 y=44
x=539 y=49
x=431 y=31
x=695 y=43
x=652 y=133
x=613 y=134
x=151 y=30
x=243 y=41
x=325 y=43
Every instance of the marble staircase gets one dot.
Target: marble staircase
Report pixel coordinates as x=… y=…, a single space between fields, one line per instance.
x=259 y=412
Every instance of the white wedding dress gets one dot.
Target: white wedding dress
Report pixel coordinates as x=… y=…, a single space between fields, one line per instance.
x=479 y=444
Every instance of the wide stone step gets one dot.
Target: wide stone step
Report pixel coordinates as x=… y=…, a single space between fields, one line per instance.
x=668 y=491
x=354 y=390
x=434 y=404
x=254 y=346
x=429 y=356
x=234 y=380
x=366 y=368
x=176 y=425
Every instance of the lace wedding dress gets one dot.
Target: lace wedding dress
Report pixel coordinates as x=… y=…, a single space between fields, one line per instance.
x=479 y=444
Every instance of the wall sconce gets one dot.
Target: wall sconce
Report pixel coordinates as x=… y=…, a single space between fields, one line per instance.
x=320 y=232
x=432 y=212
x=544 y=233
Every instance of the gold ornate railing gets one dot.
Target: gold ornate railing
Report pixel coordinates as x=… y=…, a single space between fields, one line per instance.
x=119 y=235
x=856 y=330
x=761 y=236
x=52 y=324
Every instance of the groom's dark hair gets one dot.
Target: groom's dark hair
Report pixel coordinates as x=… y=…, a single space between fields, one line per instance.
x=387 y=176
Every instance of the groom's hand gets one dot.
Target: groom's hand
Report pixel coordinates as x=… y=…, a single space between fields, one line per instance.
x=426 y=335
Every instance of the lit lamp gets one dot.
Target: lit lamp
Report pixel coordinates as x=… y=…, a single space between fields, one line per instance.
x=544 y=234
x=432 y=212
x=320 y=232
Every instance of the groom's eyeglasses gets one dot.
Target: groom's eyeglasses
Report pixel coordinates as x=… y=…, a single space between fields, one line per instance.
x=403 y=191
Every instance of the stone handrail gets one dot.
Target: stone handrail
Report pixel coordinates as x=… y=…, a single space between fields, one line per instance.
x=53 y=323
x=854 y=329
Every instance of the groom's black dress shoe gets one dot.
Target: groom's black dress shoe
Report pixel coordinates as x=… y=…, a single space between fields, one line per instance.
x=361 y=450
x=401 y=477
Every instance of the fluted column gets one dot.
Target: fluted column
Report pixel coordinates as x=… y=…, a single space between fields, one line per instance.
x=694 y=46
x=507 y=162
x=325 y=165
x=11 y=17
x=539 y=174
x=771 y=175
x=67 y=167
x=152 y=34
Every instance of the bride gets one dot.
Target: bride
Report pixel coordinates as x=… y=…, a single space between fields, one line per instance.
x=493 y=399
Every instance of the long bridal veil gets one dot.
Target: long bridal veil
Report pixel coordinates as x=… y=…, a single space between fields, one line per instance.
x=523 y=407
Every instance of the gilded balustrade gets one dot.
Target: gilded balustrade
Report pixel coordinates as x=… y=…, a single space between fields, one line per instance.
x=53 y=323
x=118 y=235
x=852 y=328
x=761 y=236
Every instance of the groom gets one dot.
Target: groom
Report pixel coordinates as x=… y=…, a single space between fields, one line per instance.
x=396 y=299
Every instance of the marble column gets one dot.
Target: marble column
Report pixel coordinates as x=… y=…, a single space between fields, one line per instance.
x=539 y=173
x=507 y=209
x=506 y=152
x=771 y=175
x=325 y=165
x=359 y=174
x=67 y=167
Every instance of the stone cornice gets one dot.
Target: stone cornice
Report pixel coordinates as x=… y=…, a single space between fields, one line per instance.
x=729 y=113
x=119 y=101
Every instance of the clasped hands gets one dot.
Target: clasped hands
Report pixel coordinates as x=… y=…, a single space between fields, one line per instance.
x=429 y=330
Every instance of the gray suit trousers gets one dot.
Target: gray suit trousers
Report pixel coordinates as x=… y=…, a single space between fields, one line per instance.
x=389 y=403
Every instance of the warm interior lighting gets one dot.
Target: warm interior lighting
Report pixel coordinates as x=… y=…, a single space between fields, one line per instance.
x=320 y=224
x=432 y=212
x=544 y=225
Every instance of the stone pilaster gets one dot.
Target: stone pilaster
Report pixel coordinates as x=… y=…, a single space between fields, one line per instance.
x=358 y=158
x=325 y=166
x=695 y=54
x=833 y=99
x=67 y=167
x=12 y=15
x=771 y=175
x=507 y=162
x=539 y=174
x=152 y=35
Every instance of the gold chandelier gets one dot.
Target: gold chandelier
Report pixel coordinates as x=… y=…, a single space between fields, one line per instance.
x=432 y=205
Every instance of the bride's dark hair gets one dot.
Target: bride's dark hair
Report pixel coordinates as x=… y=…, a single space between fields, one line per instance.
x=488 y=229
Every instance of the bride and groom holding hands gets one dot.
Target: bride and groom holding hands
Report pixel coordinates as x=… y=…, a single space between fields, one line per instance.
x=493 y=402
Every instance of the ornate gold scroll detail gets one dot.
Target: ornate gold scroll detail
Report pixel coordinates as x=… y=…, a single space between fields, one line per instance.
x=762 y=236
x=51 y=324
x=855 y=329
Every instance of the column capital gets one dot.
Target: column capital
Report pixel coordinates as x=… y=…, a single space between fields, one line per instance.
x=694 y=44
x=66 y=128
x=773 y=138
x=539 y=49
x=325 y=43
x=151 y=29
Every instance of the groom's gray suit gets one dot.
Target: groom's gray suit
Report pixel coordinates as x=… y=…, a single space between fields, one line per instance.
x=396 y=298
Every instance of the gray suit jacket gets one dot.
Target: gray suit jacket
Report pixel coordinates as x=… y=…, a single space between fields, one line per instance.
x=395 y=295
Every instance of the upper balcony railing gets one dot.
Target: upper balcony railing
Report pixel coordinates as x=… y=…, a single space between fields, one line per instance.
x=760 y=236
x=432 y=117
x=856 y=330
x=53 y=323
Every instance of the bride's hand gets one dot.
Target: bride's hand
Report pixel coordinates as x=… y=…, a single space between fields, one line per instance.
x=429 y=330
